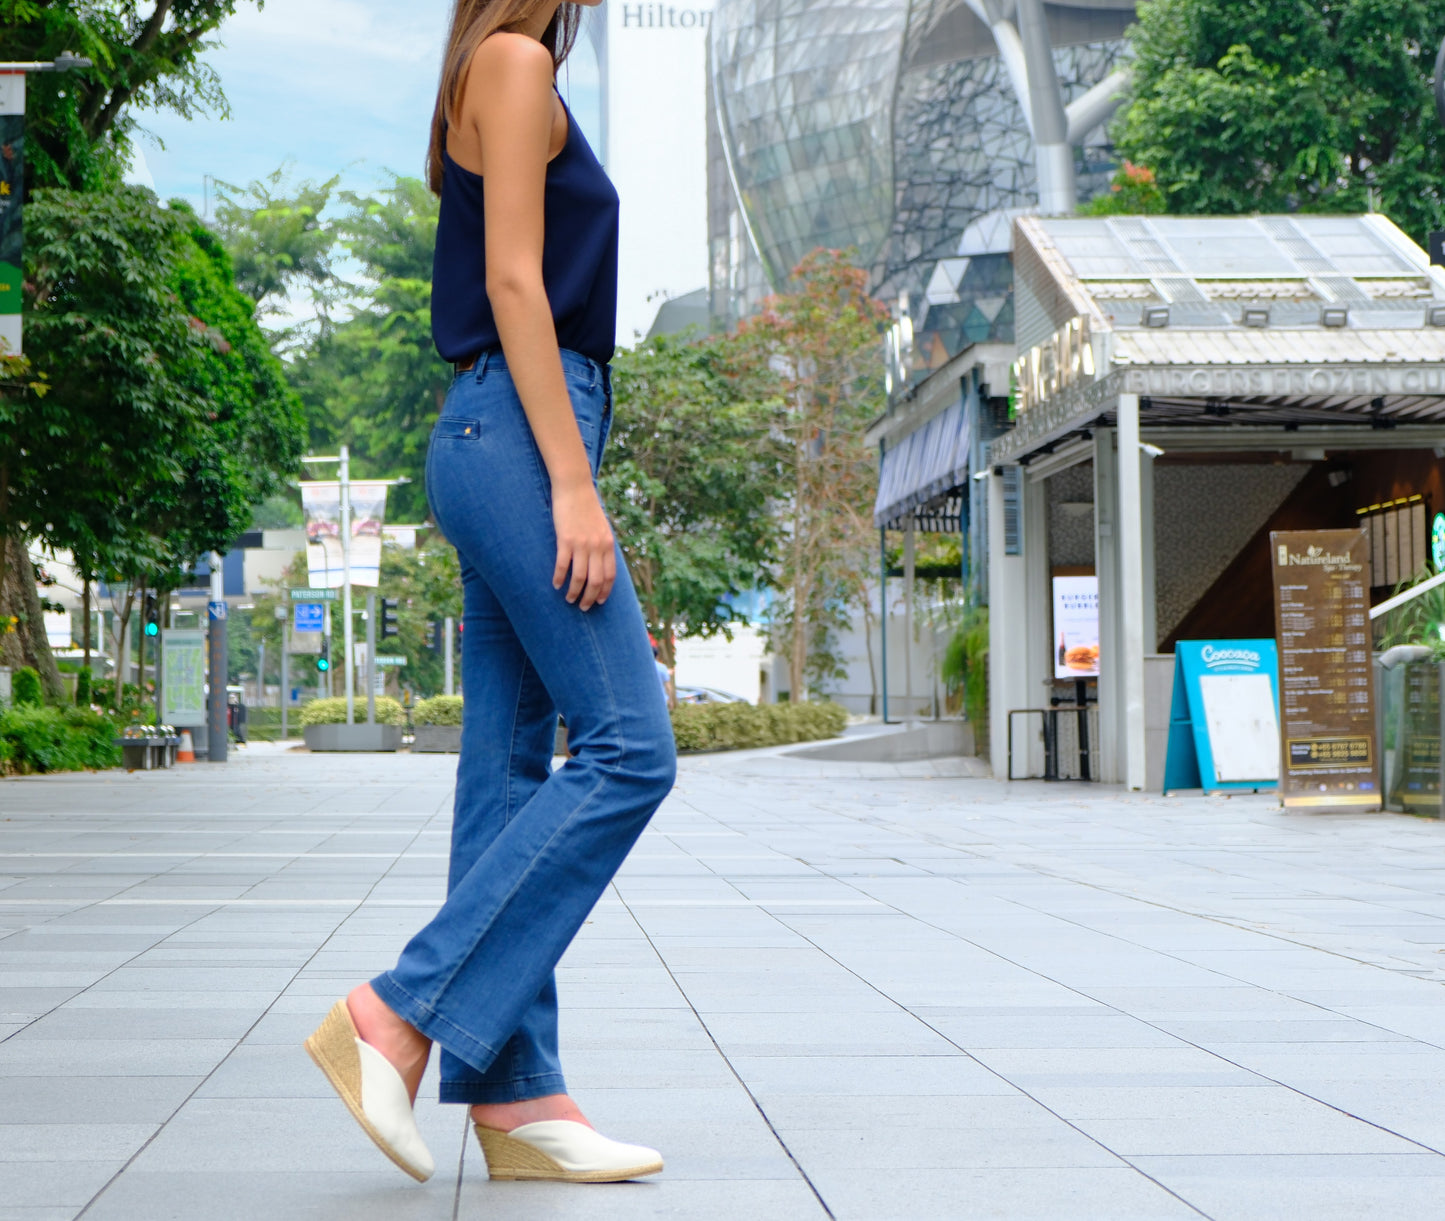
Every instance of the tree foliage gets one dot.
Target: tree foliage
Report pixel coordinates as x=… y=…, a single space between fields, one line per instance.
x=820 y=341
x=145 y=54
x=105 y=323
x=279 y=240
x=167 y=416
x=374 y=381
x=694 y=470
x=1247 y=106
x=1133 y=191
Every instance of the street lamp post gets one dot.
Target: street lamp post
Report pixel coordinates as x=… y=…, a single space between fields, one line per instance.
x=348 y=629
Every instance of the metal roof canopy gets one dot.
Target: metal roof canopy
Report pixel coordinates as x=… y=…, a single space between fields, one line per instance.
x=925 y=439
x=1236 y=333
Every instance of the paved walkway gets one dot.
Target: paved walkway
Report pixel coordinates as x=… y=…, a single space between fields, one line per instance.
x=864 y=992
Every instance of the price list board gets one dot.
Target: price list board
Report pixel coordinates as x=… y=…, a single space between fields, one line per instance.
x=1329 y=756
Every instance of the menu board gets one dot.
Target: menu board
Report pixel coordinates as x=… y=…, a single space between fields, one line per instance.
x=1328 y=754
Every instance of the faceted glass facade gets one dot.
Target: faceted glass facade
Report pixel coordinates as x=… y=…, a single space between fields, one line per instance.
x=893 y=128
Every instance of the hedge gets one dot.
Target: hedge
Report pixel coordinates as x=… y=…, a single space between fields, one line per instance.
x=439 y=710
x=34 y=739
x=745 y=726
x=333 y=711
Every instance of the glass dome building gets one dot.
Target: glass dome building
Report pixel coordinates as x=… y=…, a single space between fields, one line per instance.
x=911 y=131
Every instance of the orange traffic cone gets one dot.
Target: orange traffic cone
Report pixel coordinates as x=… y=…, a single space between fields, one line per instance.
x=187 y=751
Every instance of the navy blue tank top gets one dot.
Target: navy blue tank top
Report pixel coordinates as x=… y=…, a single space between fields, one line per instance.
x=579 y=257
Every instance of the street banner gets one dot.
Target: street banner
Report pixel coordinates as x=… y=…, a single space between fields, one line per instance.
x=183 y=677
x=12 y=182
x=321 y=504
x=1329 y=758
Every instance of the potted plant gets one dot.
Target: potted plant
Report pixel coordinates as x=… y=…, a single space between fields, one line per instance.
x=438 y=724
x=324 y=726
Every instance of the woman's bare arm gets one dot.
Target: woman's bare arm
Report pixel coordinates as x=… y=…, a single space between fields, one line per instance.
x=507 y=107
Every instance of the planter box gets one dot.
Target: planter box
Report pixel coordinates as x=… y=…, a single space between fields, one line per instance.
x=353 y=737
x=437 y=739
x=1411 y=729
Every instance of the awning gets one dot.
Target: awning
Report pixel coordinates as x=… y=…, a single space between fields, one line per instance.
x=923 y=466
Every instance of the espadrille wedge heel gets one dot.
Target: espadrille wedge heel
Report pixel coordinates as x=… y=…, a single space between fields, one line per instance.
x=563 y=1150
x=372 y=1089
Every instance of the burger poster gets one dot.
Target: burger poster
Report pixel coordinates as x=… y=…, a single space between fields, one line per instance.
x=1076 y=627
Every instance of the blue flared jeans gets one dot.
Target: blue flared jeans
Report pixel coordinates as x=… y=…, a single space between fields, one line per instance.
x=532 y=849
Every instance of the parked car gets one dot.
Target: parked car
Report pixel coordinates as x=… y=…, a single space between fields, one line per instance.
x=707 y=695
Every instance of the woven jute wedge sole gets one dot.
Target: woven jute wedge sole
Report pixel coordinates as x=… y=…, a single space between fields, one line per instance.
x=333 y=1047
x=515 y=1159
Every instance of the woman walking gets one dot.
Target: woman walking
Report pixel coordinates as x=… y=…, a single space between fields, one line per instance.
x=524 y=307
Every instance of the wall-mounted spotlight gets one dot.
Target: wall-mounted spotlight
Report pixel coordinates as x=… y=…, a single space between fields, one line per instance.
x=1255 y=315
x=1435 y=315
x=1335 y=316
x=1156 y=315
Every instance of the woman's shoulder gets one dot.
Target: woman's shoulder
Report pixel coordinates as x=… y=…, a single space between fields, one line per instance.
x=514 y=55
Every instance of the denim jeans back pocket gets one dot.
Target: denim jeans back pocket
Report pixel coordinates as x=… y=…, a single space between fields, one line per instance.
x=457 y=428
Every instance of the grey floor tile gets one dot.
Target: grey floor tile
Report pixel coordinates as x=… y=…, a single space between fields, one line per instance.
x=661 y=1197
x=860 y=1076
x=1264 y=1188
x=1076 y=1193
x=72 y=1142
x=900 y=1146
x=20 y=1055
x=380 y=1193
x=1304 y=1129
x=53 y=1184
x=1199 y=979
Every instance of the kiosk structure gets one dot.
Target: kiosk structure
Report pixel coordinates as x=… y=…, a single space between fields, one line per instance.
x=1184 y=386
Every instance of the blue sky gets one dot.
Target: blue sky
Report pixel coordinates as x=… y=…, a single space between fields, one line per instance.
x=331 y=86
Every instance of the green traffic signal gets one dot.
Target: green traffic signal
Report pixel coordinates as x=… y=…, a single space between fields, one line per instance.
x=323 y=664
x=153 y=629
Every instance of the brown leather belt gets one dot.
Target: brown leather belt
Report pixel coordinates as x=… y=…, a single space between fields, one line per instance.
x=465 y=366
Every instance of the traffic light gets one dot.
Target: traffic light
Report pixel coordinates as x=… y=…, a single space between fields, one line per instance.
x=434 y=636
x=390 y=624
x=323 y=662
x=151 y=616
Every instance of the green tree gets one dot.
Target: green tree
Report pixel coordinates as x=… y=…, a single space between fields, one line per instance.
x=1133 y=191
x=1247 y=106
x=695 y=467
x=167 y=416
x=106 y=324
x=374 y=381
x=145 y=54
x=427 y=584
x=820 y=341
x=279 y=240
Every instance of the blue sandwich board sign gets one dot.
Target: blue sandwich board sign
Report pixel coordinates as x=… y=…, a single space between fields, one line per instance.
x=1224 y=721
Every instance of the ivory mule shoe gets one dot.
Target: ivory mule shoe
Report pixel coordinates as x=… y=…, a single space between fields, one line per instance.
x=372 y=1089
x=563 y=1150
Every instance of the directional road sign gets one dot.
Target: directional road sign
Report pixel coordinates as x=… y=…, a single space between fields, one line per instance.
x=309 y=617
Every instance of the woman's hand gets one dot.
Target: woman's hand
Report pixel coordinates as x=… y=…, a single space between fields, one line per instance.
x=584 y=545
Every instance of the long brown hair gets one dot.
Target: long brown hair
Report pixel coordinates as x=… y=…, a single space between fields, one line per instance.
x=472 y=21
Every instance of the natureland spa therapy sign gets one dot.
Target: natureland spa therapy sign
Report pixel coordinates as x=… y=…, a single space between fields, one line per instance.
x=1329 y=757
